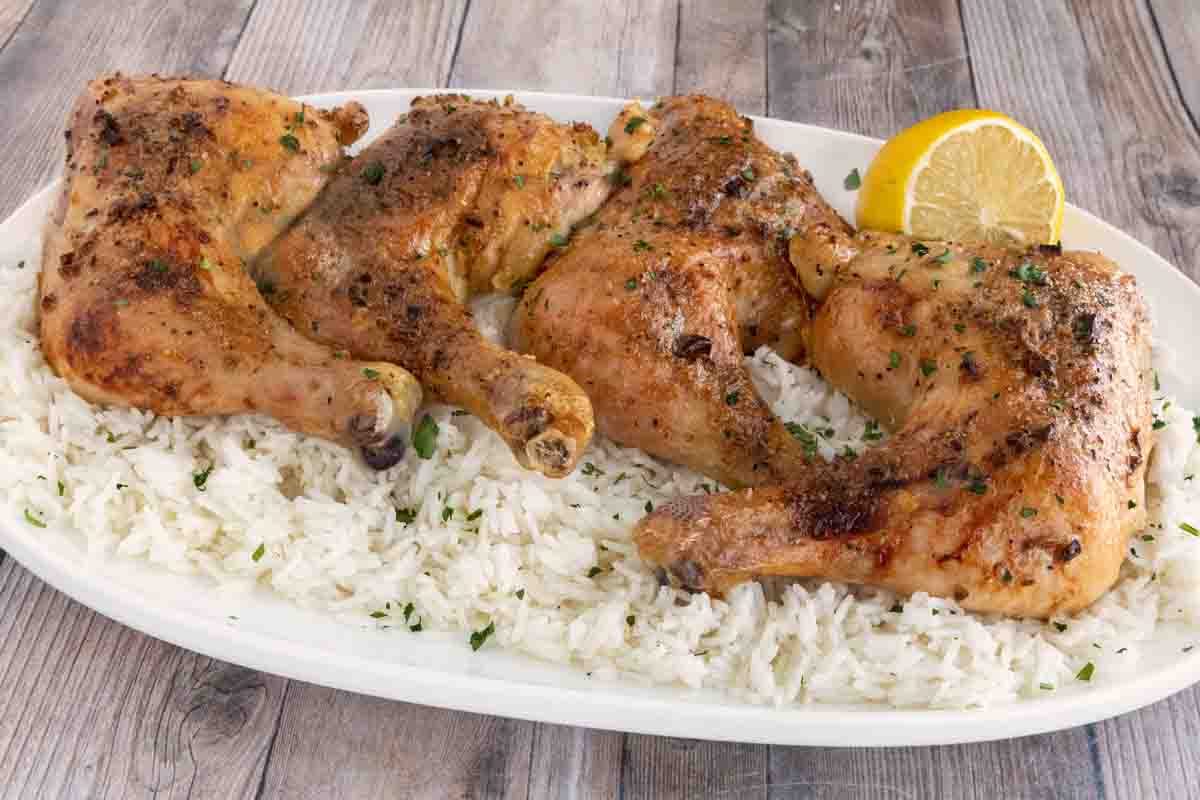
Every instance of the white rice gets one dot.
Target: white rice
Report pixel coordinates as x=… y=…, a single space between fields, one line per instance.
x=549 y=564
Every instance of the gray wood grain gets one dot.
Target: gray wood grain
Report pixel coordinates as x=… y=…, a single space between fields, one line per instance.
x=337 y=744
x=317 y=45
x=1177 y=22
x=722 y=51
x=602 y=47
x=61 y=44
x=11 y=14
x=870 y=66
x=91 y=708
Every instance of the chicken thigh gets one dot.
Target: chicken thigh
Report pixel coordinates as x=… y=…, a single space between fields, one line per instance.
x=1018 y=387
x=171 y=185
x=685 y=269
x=458 y=197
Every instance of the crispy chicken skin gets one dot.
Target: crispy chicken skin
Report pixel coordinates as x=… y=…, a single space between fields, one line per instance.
x=460 y=196
x=170 y=185
x=685 y=269
x=1017 y=384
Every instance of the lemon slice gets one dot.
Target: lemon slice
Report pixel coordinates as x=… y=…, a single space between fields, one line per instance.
x=969 y=175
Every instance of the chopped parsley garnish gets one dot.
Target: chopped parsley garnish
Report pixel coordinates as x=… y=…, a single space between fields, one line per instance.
x=447 y=513
x=1085 y=674
x=424 y=437
x=1029 y=273
x=205 y=264
x=722 y=139
x=1028 y=512
x=634 y=123
x=520 y=594
x=408 y=610
x=290 y=142
x=731 y=399
x=519 y=180
x=939 y=478
x=196 y=165
x=591 y=469
x=265 y=288
x=631 y=284
x=978 y=265
x=871 y=432
x=34 y=521
x=479 y=637
x=893 y=360
x=370 y=374
x=1189 y=528
x=945 y=258
x=474 y=515
x=748 y=173
x=406 y=515
x=808 y=441
x=62 y=488
x=977 y=486
x=849 y=453
x=641 y=246
x=200 y=478
x=594 y=571
x=1060 y=626
x=558 y=240
x=259 y=552
x=157 y=266
x=853 y=181
x=1006 y=576
x=373 y=173
x=928 y=367
x=1133 y=504
x=897 y=608
x=649 y=507
x=1147 y=538
x=908 y=330
x=378 y=614
x=1048 y=687
x=631 y=618
x=920 y=249
x=618 y=177
x=1196 y=427
x=1158 y=424
x=1028 y=298
x=960 y=328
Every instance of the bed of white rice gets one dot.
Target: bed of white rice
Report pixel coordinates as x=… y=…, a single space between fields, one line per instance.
x=549 y=565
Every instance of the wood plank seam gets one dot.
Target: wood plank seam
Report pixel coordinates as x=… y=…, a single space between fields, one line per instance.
x=1162 y=43
x=17 y=27
x=238 y=40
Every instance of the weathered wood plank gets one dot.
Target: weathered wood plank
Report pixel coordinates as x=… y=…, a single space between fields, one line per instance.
x=870 y=66
x=722 y=51
x=91 y=708
x=1178 y=23
x=336 y=744
x=61 y=44
x=317 y=45
x=11 y=14
x=657 y=767
x=575 y=763
x=580 y=46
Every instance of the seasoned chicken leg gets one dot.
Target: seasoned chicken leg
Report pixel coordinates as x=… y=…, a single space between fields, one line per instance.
x=1018 y=386
x=171 y=185
x=460 y=196
x=686 y=268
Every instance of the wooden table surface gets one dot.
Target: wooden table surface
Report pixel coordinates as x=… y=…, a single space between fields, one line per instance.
x=91 y=708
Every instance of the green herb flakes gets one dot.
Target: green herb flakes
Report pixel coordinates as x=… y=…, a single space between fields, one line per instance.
x=945 y=258
x=594 y=571
x=290 y=142
x=641 y=246
x=558 y=240
x=406 y=516
x=373 y=173
x=853 y=181
x=634 y=123
x=928 y=367
x=1189 y=528
x=259 y=552
x=370 y=374
x=196 y=165
x=32 y=520
x=631 y=284
x=519 y=180
x=920 y=249
x=1085 y=674
x=1028 y=512
x=978 y=265
x=199 y=479
x=731 y=399
x=424 y=437
x=893 y=360
x=447 y=513
x=481 y=636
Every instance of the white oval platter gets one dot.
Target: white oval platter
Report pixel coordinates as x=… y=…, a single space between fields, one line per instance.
x=440 y=670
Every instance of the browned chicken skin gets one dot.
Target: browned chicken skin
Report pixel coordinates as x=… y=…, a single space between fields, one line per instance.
x=459 y=196
x=171 y=185
x=1018 y=386
x=685 y=269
